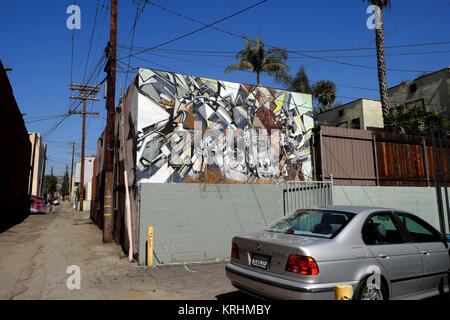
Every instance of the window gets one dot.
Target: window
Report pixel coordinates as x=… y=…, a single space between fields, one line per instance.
x=420 y=231
x=313 y=223
x=413 y=88
x=341 y=113
x=381 y=229
x=356 y=124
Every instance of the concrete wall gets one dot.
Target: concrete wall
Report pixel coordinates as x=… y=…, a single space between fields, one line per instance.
x=366 y=110
x=372 y=115
x=420 y=201
x=433 y=88
x=88 y=169
x=195 y=222
x=37 y=163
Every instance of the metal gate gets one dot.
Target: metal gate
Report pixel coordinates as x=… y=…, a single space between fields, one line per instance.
x=304 y=194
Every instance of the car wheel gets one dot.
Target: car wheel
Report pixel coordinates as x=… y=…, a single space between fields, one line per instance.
x=365 y=292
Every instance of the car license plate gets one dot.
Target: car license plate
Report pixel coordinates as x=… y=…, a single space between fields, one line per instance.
x=260 y=261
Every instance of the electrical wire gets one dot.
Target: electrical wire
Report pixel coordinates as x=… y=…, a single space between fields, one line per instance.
x=310 y=56
x=197 y=30
x=133 y=31
x=90 y=42
x=396 y=30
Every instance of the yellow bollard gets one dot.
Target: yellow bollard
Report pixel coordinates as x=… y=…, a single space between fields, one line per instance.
x=150 y=247
x=343 y=291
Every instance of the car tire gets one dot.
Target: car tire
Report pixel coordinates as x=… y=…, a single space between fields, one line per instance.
x=363 y=292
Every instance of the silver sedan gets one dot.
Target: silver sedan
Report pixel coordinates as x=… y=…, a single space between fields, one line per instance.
x=382 y=253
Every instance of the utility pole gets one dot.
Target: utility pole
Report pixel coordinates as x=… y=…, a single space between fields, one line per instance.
x=72 y=144
x=111 y=50
x=88 y=93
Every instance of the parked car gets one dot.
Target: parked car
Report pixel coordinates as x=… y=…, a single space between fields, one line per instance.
x=383 y=253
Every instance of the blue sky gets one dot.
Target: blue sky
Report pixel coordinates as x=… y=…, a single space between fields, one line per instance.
x=37 y=45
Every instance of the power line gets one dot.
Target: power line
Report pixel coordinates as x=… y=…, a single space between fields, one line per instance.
x=133 y=30
x=387 y=55
x=97 y=69
x=95 y=72
x=233 y=54
x=300 y=53
x=374 y=48
x=44 y=118
x=90 y=42
x=396 y=30
x=360 y=65
x=197 y=30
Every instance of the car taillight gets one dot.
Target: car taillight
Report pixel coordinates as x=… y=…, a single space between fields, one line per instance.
x=302 y=265
x=234 y=251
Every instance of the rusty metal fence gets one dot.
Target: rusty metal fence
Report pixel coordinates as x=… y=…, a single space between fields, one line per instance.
x=304 y=194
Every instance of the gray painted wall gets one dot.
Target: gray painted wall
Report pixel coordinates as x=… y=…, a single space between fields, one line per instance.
x=420 y=201
x=195 y=222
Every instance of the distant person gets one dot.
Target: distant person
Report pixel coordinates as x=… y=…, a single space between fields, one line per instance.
x=52 y=204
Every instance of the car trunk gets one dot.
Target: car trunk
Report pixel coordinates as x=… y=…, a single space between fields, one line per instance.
x=275 y=248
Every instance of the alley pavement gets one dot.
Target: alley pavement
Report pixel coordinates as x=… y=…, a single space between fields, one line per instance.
x=36 y=253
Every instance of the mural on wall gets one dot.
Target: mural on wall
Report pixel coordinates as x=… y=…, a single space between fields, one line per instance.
x=193 y=129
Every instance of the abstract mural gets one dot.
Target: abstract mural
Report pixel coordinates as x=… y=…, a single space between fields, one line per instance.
x=194 y=129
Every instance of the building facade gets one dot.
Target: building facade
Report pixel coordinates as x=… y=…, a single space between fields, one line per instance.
x=36 y=179
x=431 y=91
x=88 y=175
x=15 y=155
x=181 y=129
x=362 y=114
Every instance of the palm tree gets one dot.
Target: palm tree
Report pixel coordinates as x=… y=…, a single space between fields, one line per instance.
x=381 y=60
x=415 y=120
x=255 y=58
x=436 y=120
x=324 y=91
x=299 y=83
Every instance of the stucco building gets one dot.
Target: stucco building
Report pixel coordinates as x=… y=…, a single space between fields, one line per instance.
x=362 y=114
x=430 y=90
x=36 y=179
x=88 y=174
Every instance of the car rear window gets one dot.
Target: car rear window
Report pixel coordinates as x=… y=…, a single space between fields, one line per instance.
x=313 y=223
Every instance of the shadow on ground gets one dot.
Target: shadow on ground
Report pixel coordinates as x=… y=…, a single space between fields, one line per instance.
x=9 y=223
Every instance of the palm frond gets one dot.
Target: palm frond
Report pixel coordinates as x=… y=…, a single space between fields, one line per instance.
x=240 y=66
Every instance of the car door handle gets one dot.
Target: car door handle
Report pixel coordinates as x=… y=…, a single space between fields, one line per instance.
x=424 y=252
x=383 y=256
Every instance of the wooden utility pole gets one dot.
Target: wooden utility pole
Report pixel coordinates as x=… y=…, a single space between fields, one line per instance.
x=88 y=93
x=72 y=144
x=111 y=50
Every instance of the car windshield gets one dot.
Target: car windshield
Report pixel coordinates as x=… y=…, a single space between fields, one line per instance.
x=313 y=223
